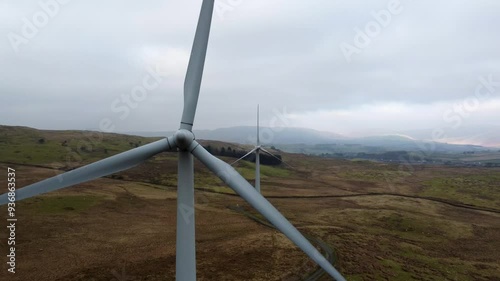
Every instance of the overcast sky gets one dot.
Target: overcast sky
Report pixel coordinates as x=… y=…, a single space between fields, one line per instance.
x=343 y=66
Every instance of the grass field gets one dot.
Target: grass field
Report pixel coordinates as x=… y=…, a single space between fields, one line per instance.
x=384 y=222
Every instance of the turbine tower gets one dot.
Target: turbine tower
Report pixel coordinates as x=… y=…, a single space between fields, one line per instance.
x=257 y=156
x=184 y=142
x=257 y=149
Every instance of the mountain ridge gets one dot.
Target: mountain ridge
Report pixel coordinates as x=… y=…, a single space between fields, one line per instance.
x=288 y=136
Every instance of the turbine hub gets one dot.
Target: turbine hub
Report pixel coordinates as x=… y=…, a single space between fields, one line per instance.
x=183 y=139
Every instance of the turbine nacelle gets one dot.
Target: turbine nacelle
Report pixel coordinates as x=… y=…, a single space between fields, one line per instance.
x=184 y=139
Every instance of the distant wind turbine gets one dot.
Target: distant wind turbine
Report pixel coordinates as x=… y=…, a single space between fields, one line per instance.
x=257 y=150
x=184 y=142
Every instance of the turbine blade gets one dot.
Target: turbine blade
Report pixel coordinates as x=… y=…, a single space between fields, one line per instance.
x=258 y=133
x=281 y=160
x=250 y=152
x=234 y=180
x=196 y=63
x=111 y=165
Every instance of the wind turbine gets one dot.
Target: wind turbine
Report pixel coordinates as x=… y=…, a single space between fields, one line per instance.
x=257 y=150
x=184 y=142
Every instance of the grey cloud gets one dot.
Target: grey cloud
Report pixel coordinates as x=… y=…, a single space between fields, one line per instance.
x=277 y=53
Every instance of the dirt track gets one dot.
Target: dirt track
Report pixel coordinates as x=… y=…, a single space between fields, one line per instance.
x=439 y=200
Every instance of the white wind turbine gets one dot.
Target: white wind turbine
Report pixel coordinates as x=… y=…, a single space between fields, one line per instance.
x=184 y=142
x=257 y=150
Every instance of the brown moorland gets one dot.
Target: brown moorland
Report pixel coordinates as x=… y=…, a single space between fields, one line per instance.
x=383 y=221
